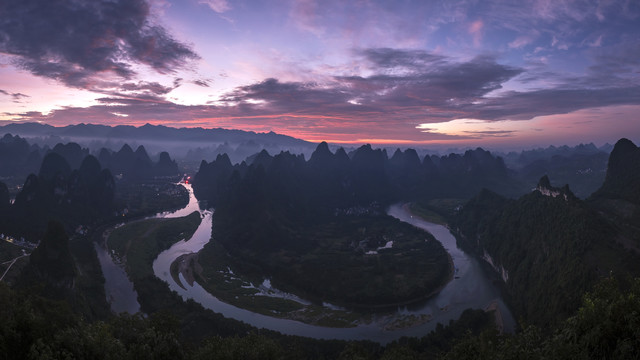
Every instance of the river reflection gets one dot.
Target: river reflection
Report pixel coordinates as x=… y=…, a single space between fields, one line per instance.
x=471 y=288
x=119 y=289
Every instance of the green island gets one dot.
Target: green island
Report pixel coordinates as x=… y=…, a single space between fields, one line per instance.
x=372 y=258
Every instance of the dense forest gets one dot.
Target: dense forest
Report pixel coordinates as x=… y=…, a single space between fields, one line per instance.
x=286 y=218
x=69 y=184
x=551 y=247
x=569 y=267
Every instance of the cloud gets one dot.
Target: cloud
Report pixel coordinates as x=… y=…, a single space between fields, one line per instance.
x=405 y=85
x=491 y=133
x=148 y=87
x=403 y=88
x=18 y=96
x=304 y=15
x=219 y=6
x=387 y=58
x=618 y=59
x=87 y=42
x=202 y=83
x=522 y=41
x=527 y=105
x=428 y=85
x=15 y=96
x=475 y=30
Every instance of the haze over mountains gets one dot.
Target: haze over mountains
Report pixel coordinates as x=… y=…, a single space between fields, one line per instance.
x=180 y=143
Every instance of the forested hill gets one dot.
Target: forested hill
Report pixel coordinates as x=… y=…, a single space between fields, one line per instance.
x=623 y=173
x=287 y=218
x=364 y=176
x=618 y=199
x=550 y=247
x=74 y=196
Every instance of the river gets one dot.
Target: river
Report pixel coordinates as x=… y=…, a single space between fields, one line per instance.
x=471 y=288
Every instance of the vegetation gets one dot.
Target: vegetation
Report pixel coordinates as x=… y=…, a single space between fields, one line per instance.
x=548 y=246
x=344 y=266
x=52 y=259
x=136 y=166
x=34 y=327
x=436 y=210
x=83 y=196
x=9 y=252
x=135 y=200
x=548 y=250
x=583 y=167
x=287 y=218
x=140 y=242
x=605 y=327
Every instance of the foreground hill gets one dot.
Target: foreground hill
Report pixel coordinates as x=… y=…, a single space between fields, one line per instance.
x=550 y=247
x=619 y=197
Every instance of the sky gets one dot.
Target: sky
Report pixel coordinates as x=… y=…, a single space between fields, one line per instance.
x=491 y=73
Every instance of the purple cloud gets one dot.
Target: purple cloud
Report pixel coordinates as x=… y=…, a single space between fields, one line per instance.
x=15 y=96
x=79 y=42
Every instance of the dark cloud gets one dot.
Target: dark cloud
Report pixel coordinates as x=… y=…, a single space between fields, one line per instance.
x=435 y=88
x=527 y=105
x=406 y=88
x=203 y=83
x=289 y=97
x=76 y=42
x=434 y=82
x=18 y=96
x=15 y=96
x=395 y=58
x=148 y=87
x=616 y=60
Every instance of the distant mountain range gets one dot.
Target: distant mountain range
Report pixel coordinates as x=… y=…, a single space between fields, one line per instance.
x=182 y=143
x=149 y=132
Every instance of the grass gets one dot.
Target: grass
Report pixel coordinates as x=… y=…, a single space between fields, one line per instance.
x=140 y=242
x=436 y=210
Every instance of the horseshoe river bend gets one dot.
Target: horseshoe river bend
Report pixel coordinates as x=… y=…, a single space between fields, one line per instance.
x=470 y=288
